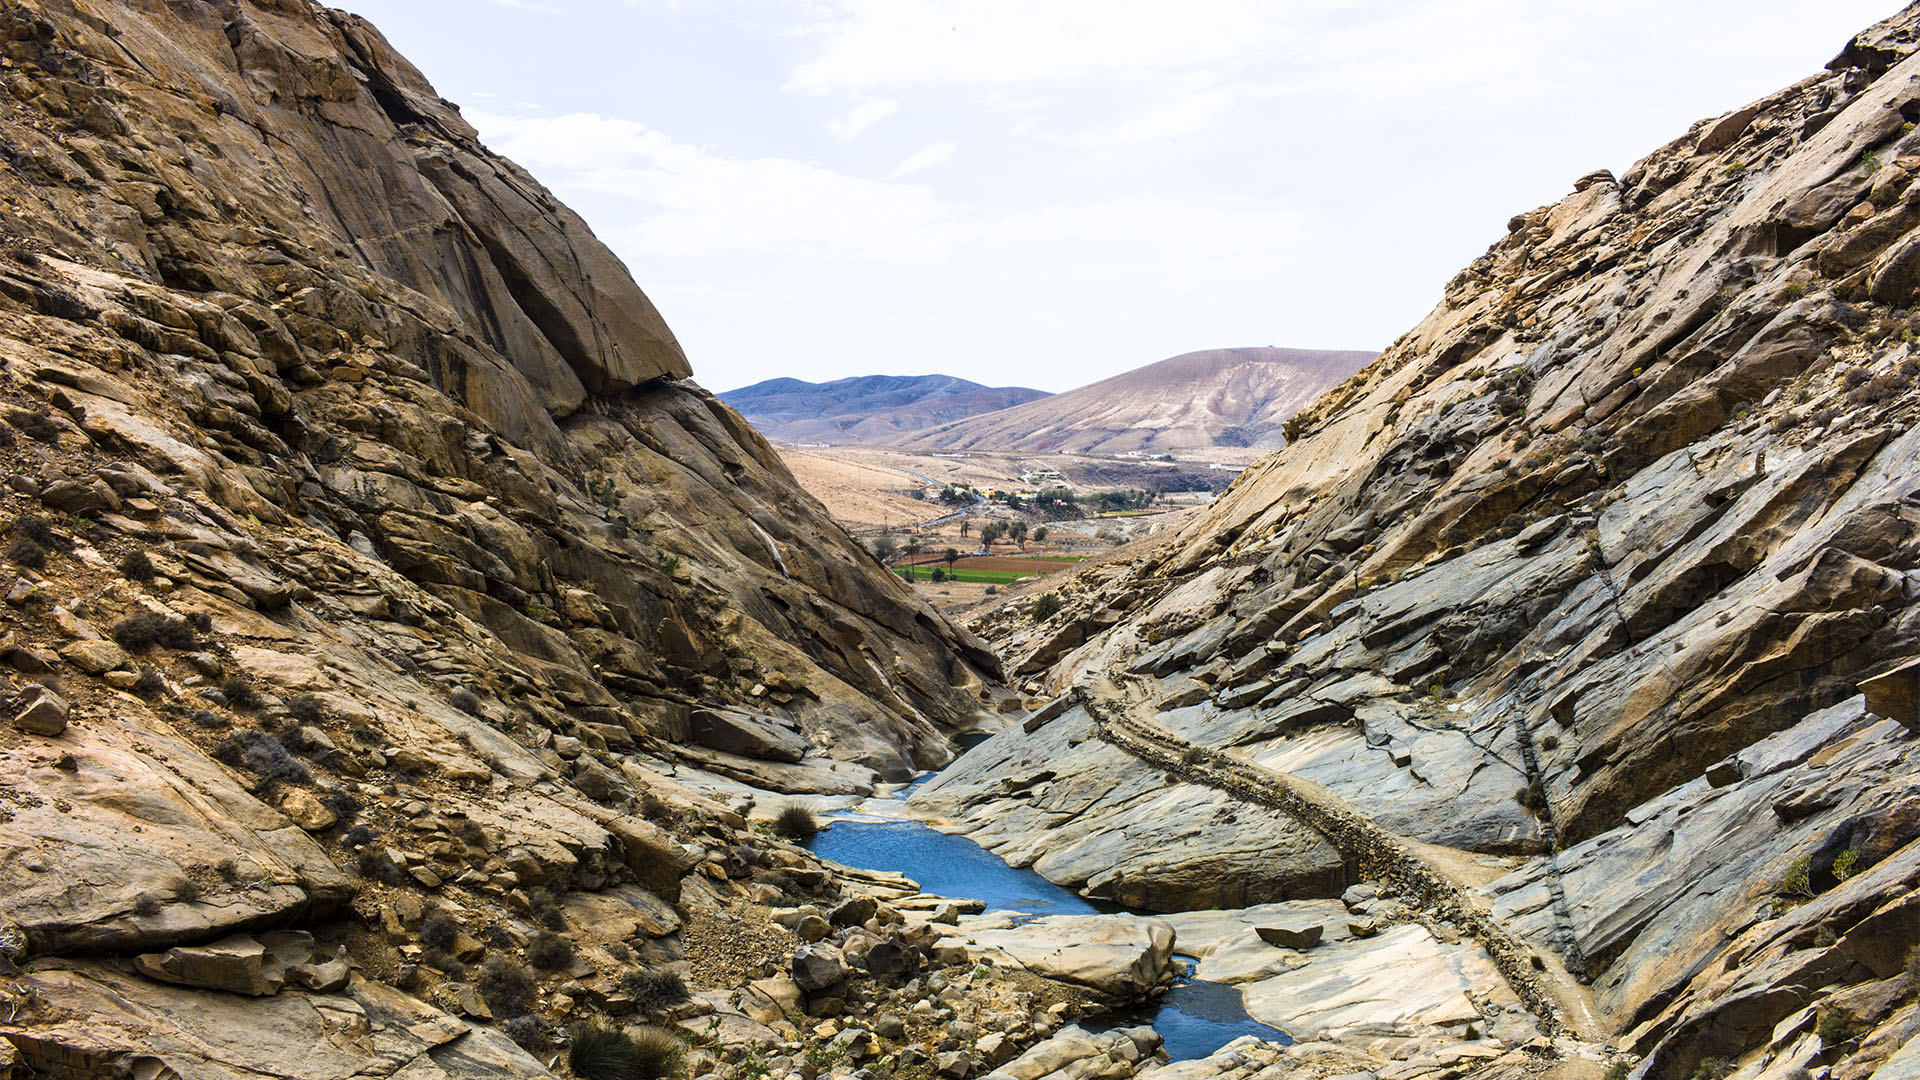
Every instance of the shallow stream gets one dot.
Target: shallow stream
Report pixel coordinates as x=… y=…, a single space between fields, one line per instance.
x=1195 y=1017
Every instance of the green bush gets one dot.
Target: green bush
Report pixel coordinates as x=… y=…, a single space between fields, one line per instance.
x=654 y=989
x=795 y=822
x=1798 y=881
x=604 y=1053
x=1835 y=1027
x=1045 y=606
x=1846 y=864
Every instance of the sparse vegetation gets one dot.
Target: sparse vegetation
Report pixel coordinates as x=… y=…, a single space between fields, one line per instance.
x=1846 y=864
x=1794 y=291
x=1045 y=606
x=1797 y=883
x=1533 y=796
x=438 y=930
x=239 y=692
x=1834 y=1028
x=142 y=630
x=506 y=985
x=262 y=755
x=35 y=425
x=529 y=1033
x=549 y=951
x=304 y=710
x=23 y=551
x=138 y=566
x=642 y=1053
x=1712 y=1068
x=379 y=866
x=795 y=822
x=546 y=909
x=654 y=989
x=151 y=684
x=466 y=701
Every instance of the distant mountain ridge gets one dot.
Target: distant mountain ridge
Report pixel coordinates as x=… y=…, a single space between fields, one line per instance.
x=868 y=408
x=1206 y=400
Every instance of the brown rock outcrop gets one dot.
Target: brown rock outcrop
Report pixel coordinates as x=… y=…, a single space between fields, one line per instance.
x=374 y=490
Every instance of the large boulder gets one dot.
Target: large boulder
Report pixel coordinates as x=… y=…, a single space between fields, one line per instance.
x=751 y=735
x=1120 y=956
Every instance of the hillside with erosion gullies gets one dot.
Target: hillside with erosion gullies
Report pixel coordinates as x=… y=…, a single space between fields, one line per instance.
x=1194 y=403
x=395 y=640
x=1580 y=625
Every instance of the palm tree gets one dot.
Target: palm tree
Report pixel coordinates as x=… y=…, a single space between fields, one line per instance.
x=1018 y=530
x=952 y=555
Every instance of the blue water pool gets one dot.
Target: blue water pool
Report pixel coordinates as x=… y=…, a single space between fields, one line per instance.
x=1195 y=1017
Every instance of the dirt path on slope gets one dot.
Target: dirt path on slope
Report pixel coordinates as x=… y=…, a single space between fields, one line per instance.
x=1436 y=884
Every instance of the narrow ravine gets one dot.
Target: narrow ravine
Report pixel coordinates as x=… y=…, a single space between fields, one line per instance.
x=1196 y=1017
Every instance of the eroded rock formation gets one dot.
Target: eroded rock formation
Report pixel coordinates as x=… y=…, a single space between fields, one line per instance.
x=375 y=570
x=1585 y=577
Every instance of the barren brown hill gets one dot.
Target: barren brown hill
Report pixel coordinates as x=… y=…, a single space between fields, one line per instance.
x=1235 y=398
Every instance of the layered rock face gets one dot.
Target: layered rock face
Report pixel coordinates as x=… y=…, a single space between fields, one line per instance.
x=374 y=553
x=1605 y=572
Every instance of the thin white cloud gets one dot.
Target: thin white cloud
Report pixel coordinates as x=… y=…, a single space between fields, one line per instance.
x=862 y=117
x=695 y=201
x=691 y=201
x=938 y=154
x=526 y=5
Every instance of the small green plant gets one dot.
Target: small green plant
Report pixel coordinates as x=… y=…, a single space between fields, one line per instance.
x=795 y=822
x=1834 y=1028
x=1794 y=291
x=1618 y=1071
x=1712 y=1068
x=824 y=1056
x=654 y=989
x=1798 y=880
x=1045 y=606
x=1847 y=864
x=1870 y=161
x=549 y=951
x=751 y=1067
x=1736 y=168
x=669 y=562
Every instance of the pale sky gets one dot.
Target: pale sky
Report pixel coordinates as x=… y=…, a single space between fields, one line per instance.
x=1047 y=192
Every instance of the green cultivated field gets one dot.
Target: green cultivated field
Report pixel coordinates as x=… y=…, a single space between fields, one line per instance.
x=976 y=577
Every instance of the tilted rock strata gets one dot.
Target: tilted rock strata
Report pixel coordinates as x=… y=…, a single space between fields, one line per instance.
x=1638 y=496
x=382 y=556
